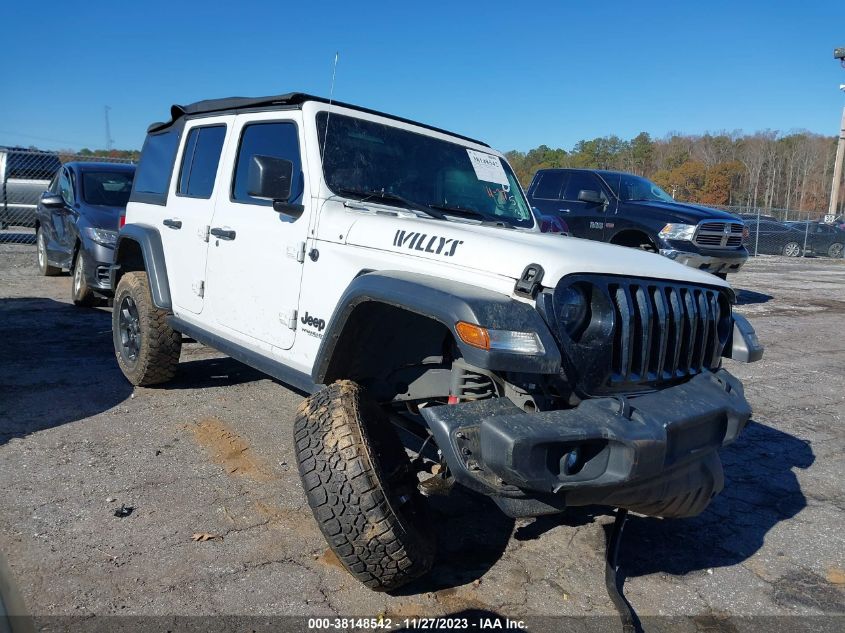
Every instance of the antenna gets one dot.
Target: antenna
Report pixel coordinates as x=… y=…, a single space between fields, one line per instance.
x=329 y=111
x=109 y=139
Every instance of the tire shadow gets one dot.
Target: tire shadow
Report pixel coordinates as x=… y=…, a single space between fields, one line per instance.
x=472 y=534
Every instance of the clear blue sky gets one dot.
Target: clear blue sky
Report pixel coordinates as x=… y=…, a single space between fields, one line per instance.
x=516 y=74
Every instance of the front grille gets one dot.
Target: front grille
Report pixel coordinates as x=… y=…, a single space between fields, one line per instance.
x=663 y=332
x=719 y=234
x=637 y=333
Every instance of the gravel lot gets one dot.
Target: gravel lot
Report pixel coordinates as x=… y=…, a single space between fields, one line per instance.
x=211 y=454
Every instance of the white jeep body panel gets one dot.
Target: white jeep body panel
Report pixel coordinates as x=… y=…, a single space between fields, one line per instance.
x=249 y=289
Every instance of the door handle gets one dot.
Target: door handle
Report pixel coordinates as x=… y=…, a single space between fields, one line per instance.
x=173 y=224
x=223 y=234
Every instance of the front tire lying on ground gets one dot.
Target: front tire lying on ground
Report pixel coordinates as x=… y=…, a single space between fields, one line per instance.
x=146 y=347
x=361 y=488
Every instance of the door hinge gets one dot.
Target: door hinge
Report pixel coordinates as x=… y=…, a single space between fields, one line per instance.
x=288 y=319
x=204 y=232
x=199 y=288
x=297 y=252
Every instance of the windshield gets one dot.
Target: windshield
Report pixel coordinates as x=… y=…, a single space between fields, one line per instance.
x=630 y=188
x=364 y=159
x=106 y=188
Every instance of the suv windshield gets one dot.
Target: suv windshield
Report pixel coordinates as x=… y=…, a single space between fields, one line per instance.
x=106 y=188
x=630 y=188
x=391 y=165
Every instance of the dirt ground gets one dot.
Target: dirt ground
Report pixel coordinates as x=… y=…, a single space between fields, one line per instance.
x=220 y=525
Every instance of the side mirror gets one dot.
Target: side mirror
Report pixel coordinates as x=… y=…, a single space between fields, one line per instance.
x=593 y=197
x=52 y=200
x=269 y=178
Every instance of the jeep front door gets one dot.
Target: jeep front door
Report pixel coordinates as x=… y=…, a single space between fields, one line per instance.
x=256 y=253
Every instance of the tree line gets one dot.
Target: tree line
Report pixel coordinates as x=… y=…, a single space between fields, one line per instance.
x=766 y=169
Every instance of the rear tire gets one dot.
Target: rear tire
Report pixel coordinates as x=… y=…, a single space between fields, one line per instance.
x=792 y=249
x=835 y=250
x=44 y=266
x=361 y=488
x=80 y=291
x=147 y=348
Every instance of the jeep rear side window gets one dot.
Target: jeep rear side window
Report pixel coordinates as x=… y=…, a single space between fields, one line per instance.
x=279 y=140
x=153 y=174
x=550 y=185
x=200 y=160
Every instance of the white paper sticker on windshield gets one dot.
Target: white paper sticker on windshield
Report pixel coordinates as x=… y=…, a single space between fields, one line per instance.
x=488 y=167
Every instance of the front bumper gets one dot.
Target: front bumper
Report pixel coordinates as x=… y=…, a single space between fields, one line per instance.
x=654 y=454
x=98 y=265
x=713 y=262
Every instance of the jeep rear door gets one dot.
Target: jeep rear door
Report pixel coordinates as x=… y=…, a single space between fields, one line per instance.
x=255 y=253
x=184 y=222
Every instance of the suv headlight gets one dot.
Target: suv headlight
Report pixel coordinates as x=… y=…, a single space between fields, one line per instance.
x=678 y=231
x=102 y=236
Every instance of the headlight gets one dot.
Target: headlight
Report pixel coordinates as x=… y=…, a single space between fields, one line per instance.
x=571 y=309
x=102 y=236
x=678 y=231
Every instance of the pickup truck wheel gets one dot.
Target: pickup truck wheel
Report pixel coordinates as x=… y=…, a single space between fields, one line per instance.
x=835 y=250
x=361 y=488
x=147 y=348
x=792 y=249
x=80 y=290
x=43 y=265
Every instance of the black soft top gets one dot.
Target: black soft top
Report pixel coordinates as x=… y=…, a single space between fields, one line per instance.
x=233 y=104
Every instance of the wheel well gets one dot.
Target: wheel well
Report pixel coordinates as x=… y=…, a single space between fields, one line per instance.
x=386 y=348
x=130 y=258
x=633 y=239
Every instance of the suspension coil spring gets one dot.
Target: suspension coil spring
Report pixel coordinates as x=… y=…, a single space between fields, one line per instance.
x=470 y=385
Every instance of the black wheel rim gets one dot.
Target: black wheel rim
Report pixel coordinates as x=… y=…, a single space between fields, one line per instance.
x=129 y=327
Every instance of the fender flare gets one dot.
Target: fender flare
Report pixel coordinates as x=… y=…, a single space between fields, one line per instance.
x=446 y=302
x=149 y=241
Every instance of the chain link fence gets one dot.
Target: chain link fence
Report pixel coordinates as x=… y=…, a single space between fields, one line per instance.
x=25 y=174
x=790 y=233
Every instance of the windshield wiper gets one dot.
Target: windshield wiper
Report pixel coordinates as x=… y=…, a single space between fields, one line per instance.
x=386 y=196
x=486 y=219
x=460 y=211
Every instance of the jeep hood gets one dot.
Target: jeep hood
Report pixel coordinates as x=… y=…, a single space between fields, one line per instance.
x=507 y=252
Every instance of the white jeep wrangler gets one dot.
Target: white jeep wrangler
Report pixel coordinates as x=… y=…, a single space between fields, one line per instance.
x=395 y=271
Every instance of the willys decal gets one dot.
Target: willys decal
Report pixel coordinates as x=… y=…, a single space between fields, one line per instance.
x=425 y=243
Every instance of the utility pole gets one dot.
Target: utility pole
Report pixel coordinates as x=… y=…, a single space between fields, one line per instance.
x=839 y=54
x=109 y=140
x=837 y=169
